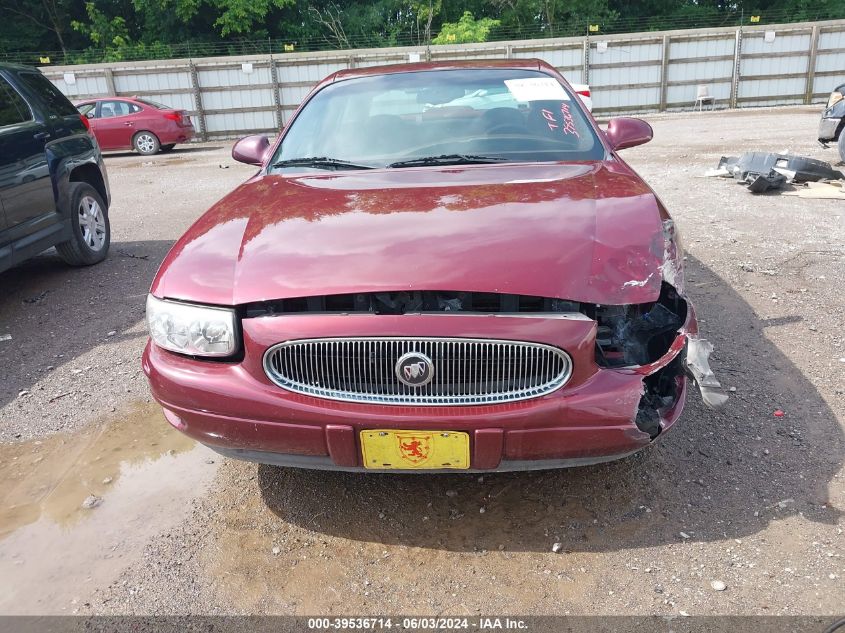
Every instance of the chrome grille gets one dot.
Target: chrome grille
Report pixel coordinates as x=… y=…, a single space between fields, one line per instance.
x=466 y=371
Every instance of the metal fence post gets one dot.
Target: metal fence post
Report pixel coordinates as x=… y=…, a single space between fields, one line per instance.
x=810 y=88
x=735 y=78
x=277 y=100
x=664 y=66
x=586 y=73
x=195 y=86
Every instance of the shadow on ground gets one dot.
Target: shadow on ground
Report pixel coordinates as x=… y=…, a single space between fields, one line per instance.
x=176 y=151
x=710 y=477
x=55 y=313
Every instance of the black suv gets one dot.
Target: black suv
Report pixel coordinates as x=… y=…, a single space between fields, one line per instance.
x=53 y=185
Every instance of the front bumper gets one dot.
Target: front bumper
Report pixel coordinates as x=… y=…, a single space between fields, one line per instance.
x=235 y=409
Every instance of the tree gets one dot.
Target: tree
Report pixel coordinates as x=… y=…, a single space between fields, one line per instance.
x=49 y=15
x=329 y=17
x=425 y=10
x=103 y=31
x=466 y=30
x=232 y=17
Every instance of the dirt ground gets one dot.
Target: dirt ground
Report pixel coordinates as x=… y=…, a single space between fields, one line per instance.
x=737 y=496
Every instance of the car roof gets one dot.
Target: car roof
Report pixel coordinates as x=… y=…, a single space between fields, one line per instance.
x=16 y=67
x=516 y=64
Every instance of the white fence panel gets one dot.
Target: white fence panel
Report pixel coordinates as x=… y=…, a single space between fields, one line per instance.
x=150 y=82
x=782 y=43
x=702 y=49
x=82 y=86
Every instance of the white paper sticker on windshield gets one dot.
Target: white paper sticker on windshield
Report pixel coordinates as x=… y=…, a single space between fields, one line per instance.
x=539 y=89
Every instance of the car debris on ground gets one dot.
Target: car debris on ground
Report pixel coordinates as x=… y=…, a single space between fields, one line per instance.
x=765 y=171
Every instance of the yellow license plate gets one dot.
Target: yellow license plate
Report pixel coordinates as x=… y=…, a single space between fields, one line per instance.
x=415 y=450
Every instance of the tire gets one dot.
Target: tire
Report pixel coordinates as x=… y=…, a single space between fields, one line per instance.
x=90 y=228
x=167 y=148
x=146 y=143
x=841 y=145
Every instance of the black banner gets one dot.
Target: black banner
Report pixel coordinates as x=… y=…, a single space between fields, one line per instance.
x=440 y=624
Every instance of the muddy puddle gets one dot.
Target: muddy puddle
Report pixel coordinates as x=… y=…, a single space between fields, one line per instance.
x=136 y=475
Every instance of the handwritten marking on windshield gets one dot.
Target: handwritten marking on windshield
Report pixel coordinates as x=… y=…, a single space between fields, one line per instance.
x=568 y=121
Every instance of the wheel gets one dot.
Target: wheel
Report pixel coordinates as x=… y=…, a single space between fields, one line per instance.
x=841 y=145
x=168 y=147
x=146 y=143
x=89 y=226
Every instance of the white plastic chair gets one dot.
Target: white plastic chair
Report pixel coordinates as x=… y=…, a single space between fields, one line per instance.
x=702 y=96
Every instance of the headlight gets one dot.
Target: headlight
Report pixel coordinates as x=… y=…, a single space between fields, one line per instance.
x=191 y=329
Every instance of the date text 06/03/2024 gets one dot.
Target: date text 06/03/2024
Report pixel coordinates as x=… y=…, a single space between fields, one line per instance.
x=418 y=624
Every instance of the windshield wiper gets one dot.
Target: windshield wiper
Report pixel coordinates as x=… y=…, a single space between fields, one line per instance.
x=320 y=162
x=448 y=159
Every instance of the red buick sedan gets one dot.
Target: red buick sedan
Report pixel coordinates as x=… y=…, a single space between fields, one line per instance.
x=412 y=283
x=146 y=126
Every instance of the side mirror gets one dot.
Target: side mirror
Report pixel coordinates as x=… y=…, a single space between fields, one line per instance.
x=623 y=132
x=251 y=150
x=90 y=114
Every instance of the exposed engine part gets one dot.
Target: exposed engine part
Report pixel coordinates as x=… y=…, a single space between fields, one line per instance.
x=660 y=394
x=638 y=334
x=403 y=302
x=397 y=302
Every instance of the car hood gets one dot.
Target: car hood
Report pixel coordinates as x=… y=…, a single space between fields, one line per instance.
x=588 y=232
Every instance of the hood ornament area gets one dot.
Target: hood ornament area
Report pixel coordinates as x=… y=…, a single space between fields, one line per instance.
x=414 y=369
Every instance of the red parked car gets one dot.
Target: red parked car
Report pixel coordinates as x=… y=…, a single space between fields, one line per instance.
x=409 y=284
x=146 y=126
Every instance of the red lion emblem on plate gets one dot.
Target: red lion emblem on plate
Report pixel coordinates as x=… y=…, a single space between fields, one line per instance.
x=414 y=448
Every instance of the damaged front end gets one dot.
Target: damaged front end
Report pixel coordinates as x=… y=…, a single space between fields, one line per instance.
x=654 y=344
x=659 y=341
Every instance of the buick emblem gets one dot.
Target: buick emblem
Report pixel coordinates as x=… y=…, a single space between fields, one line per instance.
x=414 y=369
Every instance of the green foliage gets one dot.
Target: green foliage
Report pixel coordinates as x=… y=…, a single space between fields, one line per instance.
x=234 y=16
x=144 y=29
x=466 y=30
x=110 y=34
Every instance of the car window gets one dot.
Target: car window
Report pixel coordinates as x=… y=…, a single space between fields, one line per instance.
x=13 y=108
x=85 y=108
x=116 y=108
x=52 y=97
x=508 y=114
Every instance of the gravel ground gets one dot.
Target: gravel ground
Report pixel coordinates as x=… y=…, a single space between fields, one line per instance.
x=733 y=512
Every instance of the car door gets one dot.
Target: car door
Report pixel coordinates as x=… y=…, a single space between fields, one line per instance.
x=26 y=189
x=114 y=123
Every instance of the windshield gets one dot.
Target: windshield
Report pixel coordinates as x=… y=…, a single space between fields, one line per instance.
x=434 y=117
